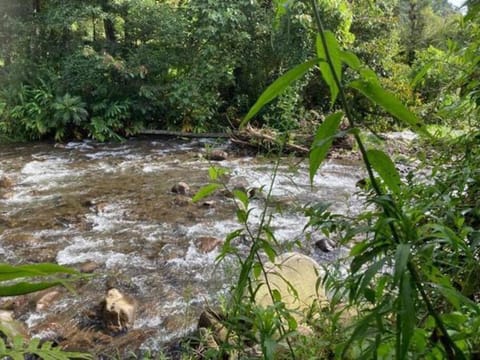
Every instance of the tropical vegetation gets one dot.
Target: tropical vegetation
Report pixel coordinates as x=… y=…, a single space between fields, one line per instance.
x=107 y=69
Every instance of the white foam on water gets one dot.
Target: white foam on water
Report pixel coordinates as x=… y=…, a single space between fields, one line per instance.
x=117 y=153
x=154 y=233
x=83 y=250
x=218 y=229
x=35 y=318
x=84 y=145
x=106 y=167
x=109 y=217
x=46 y=171
x=194 y=258
x=149 y=168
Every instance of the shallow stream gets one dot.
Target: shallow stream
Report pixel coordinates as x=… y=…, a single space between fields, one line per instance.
x=112 y=205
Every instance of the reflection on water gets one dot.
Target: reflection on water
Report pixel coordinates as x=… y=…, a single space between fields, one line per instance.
x=112 y=204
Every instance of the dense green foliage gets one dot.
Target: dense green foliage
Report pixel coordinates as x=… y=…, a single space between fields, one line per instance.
x=105 y=69
x=108 y=68
x=412 y=277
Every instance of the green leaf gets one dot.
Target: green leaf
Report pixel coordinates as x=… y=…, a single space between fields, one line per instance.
x=22 y=288
x=269 y=250
x=402 y=256
x=257 y=270
x=205 y=191
x=384 y=166
x=9 y=272
x=456 y=298
x=336 y=58
x=389 y=103
x=406 y=317
x=242 y=216
x=421 y=74
x=215 y=172
x=277 y=87
x=276 y=296
x=351 y=60
x=323 y=141
x=371 y=272
x=242 y=197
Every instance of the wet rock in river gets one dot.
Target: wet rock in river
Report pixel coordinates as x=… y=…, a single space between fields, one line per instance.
x=6 y=182
x=216 y=155
x=89 y=267
x=207 y=244
x=208 y=204
x=181 y=200
x=118 y=311
x=325 y=245
x=46 y=299
x=181 y=188
x=9 y=327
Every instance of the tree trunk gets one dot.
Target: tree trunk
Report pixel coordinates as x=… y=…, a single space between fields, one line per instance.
x=109 y=31
x=108 y=26
x=36 y=6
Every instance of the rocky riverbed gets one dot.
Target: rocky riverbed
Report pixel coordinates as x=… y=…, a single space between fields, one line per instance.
x=120 y=213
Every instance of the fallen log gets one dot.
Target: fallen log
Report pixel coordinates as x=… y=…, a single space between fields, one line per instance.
x=186 y=134
x=261 y=138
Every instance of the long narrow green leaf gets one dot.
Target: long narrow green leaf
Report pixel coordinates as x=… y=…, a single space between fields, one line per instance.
x=384 y=166
x=22 y=288
x=336 y=58
x=323 y=141
x=402 y=256
x=406 y=317
x=9 y=272
x=456 y=298
x=389 y=103
x=369 y=274
x=277 y=87
x=205 y=191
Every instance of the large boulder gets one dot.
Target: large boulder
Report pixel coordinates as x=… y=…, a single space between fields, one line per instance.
x=297 y=278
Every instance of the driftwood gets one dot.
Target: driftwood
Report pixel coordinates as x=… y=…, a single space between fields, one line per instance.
x=247 y=137
x=186 y=134
x=251 y=136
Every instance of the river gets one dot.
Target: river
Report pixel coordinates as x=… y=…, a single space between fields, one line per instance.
x=112 y=205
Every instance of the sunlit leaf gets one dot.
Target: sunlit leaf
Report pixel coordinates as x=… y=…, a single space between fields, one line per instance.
x=277 y=87
x=390 y=104
x=323 y=141
x=205 y=191
x=336 y=58
x=384 y=166
x=9 y=272
x=350 y=59
x=242 y=197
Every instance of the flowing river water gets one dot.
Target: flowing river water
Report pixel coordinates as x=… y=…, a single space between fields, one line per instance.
x=111 y=205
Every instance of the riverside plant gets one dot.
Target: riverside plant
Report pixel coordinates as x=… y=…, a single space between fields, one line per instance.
x=410 y=307
x=25 y=279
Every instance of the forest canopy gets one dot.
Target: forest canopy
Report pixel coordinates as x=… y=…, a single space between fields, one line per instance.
x=106 y=69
